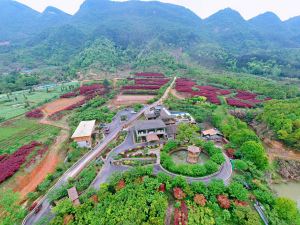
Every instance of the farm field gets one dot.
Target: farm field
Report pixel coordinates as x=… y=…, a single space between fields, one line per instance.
x=17 y=132
x=14 y=104
x=127 y=100
x=60 y=104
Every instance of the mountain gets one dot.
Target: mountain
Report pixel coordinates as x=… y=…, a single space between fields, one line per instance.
x=228 y=28
x=224 y=39
x=269 y=27
x=16 y=20
x=53 y=17
x=137 y=22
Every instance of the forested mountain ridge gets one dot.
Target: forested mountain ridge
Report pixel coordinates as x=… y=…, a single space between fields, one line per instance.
x=264 y=45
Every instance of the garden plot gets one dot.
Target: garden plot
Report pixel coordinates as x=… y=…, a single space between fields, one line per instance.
x=127 y=100
x=60 y=104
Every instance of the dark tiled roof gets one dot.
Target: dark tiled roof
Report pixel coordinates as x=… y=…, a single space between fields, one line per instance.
x=149 y=124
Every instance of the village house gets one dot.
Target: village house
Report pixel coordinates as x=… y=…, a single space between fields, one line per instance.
x=150 y=130
x=83 y=133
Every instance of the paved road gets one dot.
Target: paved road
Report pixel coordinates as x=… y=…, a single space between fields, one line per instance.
x=115 y=128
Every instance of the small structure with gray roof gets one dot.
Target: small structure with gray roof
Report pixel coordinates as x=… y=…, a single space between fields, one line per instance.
x=73 y=196
x=143 y=128
x=83 y=133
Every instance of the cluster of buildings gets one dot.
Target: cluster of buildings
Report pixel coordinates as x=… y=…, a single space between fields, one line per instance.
x=160 y=123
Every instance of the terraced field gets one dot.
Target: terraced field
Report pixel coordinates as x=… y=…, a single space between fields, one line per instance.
x=17 y=103
x=15 y=133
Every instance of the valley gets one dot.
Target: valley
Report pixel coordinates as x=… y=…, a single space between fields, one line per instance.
x=143 y=113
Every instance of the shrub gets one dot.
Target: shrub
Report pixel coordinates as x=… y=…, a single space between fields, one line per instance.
x=36 y=113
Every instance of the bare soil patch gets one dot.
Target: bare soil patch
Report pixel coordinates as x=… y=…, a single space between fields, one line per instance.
x=126 y=100
x=59 y=105
x=28 y=183
x=178 y=95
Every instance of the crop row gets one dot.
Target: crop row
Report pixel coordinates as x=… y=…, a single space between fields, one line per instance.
x=86 y=90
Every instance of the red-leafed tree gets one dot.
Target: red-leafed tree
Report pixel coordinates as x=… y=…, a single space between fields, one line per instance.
x=223 y=201
x=121 y=184
x=200 y=199
x=178 y=193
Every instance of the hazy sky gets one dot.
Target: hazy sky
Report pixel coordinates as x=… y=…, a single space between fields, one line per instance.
x=204 y=8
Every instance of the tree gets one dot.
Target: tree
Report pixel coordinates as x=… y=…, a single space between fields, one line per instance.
x=11 y=211
x=246 y=216
x=240 y=165
x=286 y=209
x=236 y=190
x=216 y=187
x=106 y=84
x=186 y=133
x=255 y=152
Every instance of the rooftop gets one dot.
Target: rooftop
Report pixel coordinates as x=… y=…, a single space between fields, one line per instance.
x=210 y=132
x=149 y=124
x=84 y=129
x=193 y=149
x=73 y=195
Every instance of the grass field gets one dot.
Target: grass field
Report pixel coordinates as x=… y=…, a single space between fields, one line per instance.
x=15 y=133
x=14 y=104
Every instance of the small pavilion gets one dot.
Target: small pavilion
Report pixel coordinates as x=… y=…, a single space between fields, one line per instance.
x=193 y=154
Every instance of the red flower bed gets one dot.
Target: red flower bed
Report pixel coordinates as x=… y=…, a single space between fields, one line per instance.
x=12 y=163
x=245 y=95
x=89 y=89
x=36 y=113
x=159 y=82
x=141 y=87
x=2 y=157
x=181 y=214
x=69 y=95
x=154 y=75
x=237 y=103
x=223 y=201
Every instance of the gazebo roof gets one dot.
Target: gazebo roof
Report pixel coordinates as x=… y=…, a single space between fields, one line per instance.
x=194 y=149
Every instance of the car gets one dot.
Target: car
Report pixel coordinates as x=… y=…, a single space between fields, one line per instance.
x=133 y=112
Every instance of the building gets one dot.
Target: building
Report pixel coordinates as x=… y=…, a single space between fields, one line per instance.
x=83 y=133
x=167 y=116
x=73 y=196
x=171 y=131
x=193 y=154
x=212 y=134
x=149 y=130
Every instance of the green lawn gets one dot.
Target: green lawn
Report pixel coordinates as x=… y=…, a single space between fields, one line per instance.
x=15 y=104
x=15 y=133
